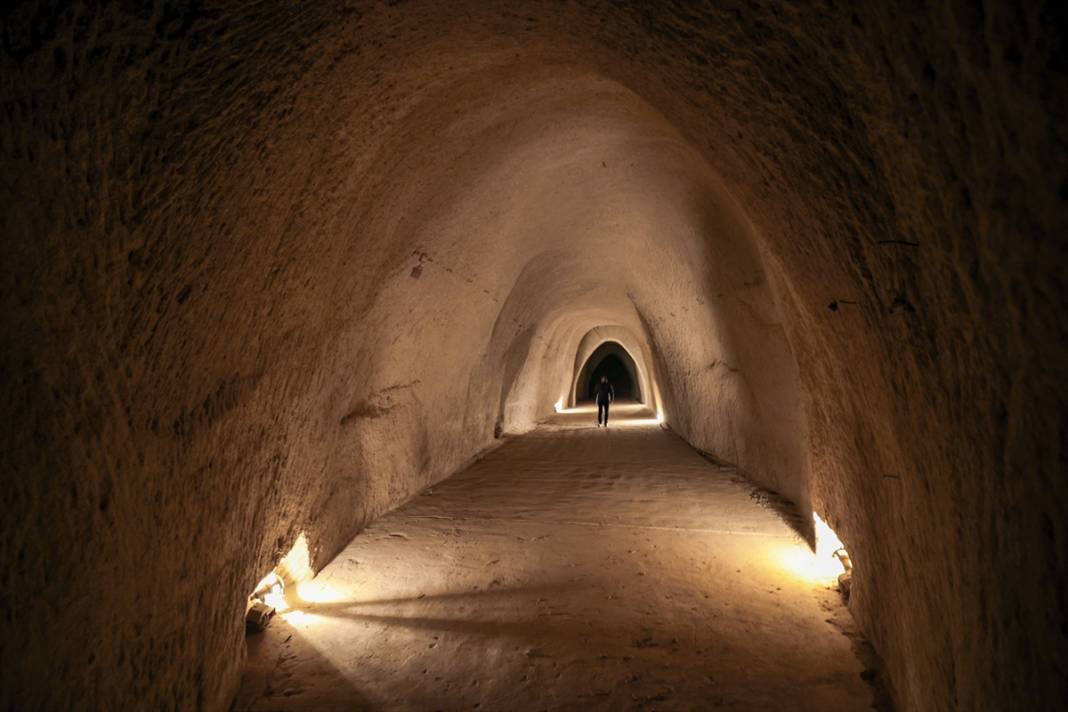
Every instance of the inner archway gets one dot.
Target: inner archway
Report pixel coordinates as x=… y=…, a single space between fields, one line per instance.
x=612 y=361
x=618 y=375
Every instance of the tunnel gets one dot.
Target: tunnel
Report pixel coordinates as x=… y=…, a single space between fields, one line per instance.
x=306 y=290
x=610 y=360
x=615 y=372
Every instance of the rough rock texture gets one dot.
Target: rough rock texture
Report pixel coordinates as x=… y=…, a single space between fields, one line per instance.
x=275 y=267
x=573 y=568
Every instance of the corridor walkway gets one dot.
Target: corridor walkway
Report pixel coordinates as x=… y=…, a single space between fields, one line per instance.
x=572 y=568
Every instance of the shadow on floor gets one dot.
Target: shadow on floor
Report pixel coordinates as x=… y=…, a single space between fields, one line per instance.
x=785 y=509
x=478 y=593
x=268 y=683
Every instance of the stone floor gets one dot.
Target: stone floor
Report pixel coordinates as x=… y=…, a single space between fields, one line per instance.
x=571 y=568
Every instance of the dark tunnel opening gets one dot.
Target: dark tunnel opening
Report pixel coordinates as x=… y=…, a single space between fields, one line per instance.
x=613 y=369
x=612 y=361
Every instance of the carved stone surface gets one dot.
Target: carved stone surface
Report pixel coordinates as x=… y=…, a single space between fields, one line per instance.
x=272 y=268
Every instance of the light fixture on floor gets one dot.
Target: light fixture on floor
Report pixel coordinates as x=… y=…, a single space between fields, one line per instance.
x=827 y=542
x=269 y=596
x=272 y=591
x=822 y=566
x=829 y=546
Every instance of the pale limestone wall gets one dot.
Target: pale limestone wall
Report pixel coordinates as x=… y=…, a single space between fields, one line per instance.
x=273 y=268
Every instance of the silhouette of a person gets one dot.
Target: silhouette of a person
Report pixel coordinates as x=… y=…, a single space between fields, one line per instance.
x=605 y=395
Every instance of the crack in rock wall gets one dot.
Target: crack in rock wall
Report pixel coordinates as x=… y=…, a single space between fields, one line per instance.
x=273 y=268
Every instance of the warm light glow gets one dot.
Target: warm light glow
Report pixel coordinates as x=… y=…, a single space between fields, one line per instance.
x=276 y=598
x=827 y=542
x=271 y=590
x=294 y=568
x=800 y=561
x=660 y=416
x=558 y=405
x=297 y=616
x=316 y=592
x=296 y=565
x=822 y=567
x=634 y=422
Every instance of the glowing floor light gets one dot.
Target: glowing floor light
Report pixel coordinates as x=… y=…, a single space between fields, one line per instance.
x=827 y=542
x=294 y=568
x=558 y=405
x=272 y=591
x=296 y=565
x=829 y=562
x=316 y=592
x=831 y=557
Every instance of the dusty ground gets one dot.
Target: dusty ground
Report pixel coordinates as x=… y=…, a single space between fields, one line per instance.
x=572 y=568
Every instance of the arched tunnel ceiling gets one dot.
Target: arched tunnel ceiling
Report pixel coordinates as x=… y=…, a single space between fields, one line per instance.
x=610 y=356
x=637 y=348
x=273 y=268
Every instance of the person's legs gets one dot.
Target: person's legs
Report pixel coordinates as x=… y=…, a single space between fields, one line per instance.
x=602 y=413
x=606 y=415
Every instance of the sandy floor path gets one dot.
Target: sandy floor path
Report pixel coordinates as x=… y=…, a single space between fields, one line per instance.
x=573 y=568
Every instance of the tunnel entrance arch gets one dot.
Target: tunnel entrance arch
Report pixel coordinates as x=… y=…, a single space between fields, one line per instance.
x=610 y=359
x=612 y=368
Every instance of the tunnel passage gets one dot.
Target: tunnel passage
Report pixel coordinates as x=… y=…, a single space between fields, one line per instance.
x=632 y=346
x=618 y=376
x=612 y=361
x=274 y=268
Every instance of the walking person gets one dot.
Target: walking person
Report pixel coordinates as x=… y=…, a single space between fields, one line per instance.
x=605 y=395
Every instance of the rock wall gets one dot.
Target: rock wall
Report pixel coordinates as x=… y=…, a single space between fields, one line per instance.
x=272 y=268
